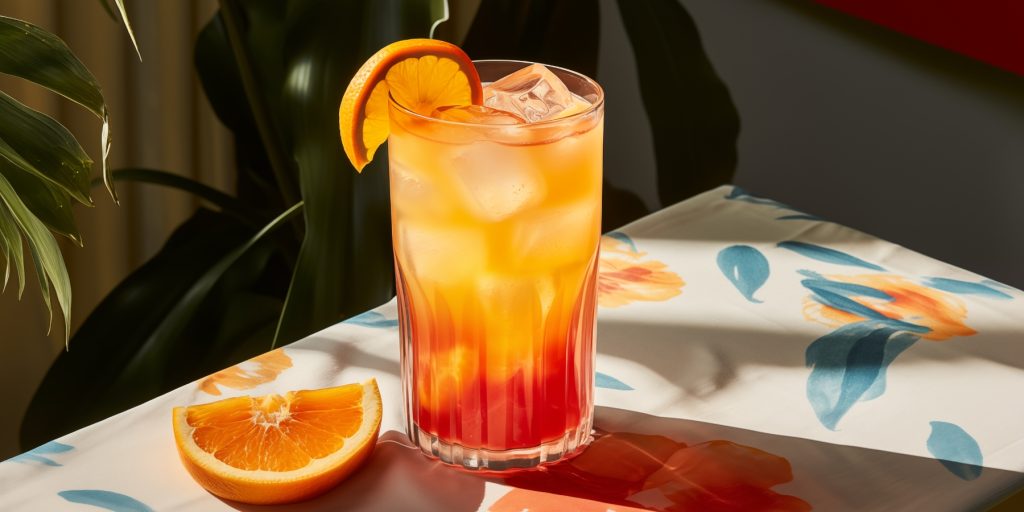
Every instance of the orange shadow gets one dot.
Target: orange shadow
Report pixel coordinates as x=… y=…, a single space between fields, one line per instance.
x=623 y=471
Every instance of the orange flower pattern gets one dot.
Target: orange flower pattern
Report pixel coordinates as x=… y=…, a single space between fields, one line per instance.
x=624 y=276
x=941 y=313
x=249 y=374
x=875 y=317
x=628 y=472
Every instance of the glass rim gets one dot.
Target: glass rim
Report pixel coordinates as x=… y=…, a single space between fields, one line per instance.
x=546 y=122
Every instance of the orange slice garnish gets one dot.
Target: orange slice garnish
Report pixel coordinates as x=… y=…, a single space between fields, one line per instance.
x=279 y=448
x=422 y=75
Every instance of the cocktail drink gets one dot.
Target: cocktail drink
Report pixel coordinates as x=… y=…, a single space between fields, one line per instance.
x=496 y=214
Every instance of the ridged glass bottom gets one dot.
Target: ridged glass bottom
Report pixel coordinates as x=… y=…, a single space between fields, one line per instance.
x=501 y=381
x=483 y=460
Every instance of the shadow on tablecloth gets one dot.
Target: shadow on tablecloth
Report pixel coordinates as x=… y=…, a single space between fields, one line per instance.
x=644 y=462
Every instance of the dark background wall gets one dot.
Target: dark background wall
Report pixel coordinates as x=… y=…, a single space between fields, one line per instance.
x=875 y=130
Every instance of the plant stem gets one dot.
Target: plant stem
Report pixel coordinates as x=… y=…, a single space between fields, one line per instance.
x=231 y=14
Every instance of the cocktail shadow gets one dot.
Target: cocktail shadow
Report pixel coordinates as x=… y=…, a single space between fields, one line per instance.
x=644 y=462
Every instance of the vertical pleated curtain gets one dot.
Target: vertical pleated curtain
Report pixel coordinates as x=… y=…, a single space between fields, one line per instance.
x=160 y=119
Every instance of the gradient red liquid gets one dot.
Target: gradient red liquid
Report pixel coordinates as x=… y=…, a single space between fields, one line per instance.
x=477 y=390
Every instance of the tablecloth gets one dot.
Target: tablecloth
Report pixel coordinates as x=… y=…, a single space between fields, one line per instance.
x=750 y=356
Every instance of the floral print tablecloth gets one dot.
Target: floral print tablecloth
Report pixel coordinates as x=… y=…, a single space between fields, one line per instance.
x=750 y=357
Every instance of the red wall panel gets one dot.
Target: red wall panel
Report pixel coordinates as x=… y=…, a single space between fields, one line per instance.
x=987 y=30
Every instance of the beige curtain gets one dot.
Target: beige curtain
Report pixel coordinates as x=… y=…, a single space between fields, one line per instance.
x=160 y=119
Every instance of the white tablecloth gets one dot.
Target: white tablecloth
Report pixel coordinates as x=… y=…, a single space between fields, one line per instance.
x=749 y=357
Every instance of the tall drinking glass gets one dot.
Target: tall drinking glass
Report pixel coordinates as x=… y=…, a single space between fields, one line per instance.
x=496 y=231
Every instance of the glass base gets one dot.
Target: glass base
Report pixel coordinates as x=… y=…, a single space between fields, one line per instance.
x=502 y=461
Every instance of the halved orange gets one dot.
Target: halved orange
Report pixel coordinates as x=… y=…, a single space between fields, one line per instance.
x=422 y=75
x=279 y=448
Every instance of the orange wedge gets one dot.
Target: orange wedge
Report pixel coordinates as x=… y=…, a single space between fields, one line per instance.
x=422 y=75
x=279 y=448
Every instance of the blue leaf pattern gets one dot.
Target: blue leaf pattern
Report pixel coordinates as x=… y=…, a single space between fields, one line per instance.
x=827 y=255
x=739 y=194
x=965 y=287
x=894 y=347
x=624 y=238
x=603 y=380
x=955 y=449
x=745 y=267
x=997 y=284
x=848 y=366
x=373 y=319
x=801 y=216
x=109 y=500
x=38 y=454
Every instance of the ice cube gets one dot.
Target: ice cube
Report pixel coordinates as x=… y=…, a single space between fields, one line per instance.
x=441 y=253
x=578 y=105
x=497 y=181
x=415 y=193
x=534 y=93
x=408 y=189
x=476 y=114
x=555 y=237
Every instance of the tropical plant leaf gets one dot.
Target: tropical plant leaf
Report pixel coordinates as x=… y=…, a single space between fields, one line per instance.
x=222 y=83
x=345 y=264
x=34 y=54
x=257 y=53
x=38 y=56
x=14 y=251
x=297 y=57
x=50 y=263
x=7 y=261
x=184 y=318
x=128 y=26
x=39 y=145
x=44 y=199
x=693 y=120
x=156 y=348
x=44 y=291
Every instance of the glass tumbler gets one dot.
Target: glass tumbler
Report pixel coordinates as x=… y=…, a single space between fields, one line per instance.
x=496 y=232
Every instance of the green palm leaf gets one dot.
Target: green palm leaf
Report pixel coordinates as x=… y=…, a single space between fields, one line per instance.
x=128 y=26
x=36 y=55
x=39 y=145
x=49 y=262
x=42 y=165
x=14 y=252
x=44 y=199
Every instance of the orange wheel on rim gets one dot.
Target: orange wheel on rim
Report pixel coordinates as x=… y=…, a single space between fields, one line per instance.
x=422 y=75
